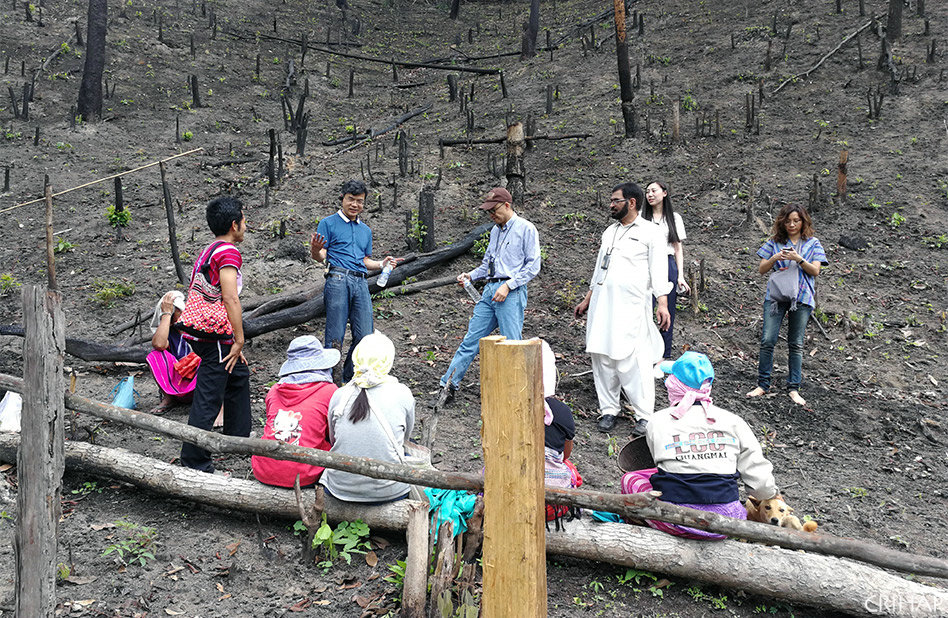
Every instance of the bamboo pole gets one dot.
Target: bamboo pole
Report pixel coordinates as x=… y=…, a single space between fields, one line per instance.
x=93 y=182
x=514 y=517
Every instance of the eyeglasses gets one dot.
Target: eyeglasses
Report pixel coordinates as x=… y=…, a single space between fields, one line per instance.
x=617 y=201
x=491 y=211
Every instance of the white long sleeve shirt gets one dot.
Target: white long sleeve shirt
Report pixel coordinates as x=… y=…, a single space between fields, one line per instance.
x=620 y=319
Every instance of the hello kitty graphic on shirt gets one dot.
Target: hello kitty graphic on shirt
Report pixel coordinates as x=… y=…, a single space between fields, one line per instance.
x=286 y=426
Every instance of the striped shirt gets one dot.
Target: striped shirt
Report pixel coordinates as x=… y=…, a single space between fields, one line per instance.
x=812 y=251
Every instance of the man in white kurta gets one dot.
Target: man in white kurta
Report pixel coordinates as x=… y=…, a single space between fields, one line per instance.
x=621 y=336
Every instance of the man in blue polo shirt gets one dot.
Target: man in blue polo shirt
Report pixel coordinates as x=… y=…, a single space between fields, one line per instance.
x=511 y=260
x=346 y=242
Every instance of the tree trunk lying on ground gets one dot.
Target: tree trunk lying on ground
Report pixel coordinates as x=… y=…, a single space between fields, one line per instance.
x=629 y=506
x=795 y=577
x=285 y=318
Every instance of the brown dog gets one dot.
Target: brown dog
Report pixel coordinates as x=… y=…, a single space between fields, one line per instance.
x=775 y=512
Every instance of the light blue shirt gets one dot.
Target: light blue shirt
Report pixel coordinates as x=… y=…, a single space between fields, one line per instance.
x=515 y=250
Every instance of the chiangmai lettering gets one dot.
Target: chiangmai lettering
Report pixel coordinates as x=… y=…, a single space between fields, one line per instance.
x=700 y=442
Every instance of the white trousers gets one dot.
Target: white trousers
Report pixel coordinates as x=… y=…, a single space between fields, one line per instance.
x=631 y=375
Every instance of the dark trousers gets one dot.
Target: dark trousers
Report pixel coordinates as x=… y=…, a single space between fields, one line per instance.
x=672 y=301
x=213 y=387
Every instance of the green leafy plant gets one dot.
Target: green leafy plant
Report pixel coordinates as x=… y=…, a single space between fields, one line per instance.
x=688 y=103
x=118 y=219
x=348 y=538
x=110 y=290
x=187 y=136
x=398 y=573
x=416 y=229
x=896 y=219
x=137 y=546
x=63 y=245
x=8 y=283
x=858 y=492
x=480 y=245
x=89 y=487
x=936 y=242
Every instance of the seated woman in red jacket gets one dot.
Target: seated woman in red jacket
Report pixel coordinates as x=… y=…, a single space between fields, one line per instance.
x=296 y=411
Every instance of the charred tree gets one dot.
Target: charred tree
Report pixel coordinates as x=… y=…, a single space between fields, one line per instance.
x=528 y=47
x=893 y=25
x=626 y=93
x=90 y=91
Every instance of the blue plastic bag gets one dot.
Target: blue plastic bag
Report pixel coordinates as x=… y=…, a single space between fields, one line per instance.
x=124 y=394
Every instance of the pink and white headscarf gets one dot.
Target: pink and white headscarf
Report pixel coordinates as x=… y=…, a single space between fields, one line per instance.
x=683 y=397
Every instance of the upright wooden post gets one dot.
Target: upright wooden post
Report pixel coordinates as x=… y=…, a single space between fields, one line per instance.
x=516 y=170
x=841 y=176
x=50 y=254
x=426 y=213
x=514 y=517
x=415 y=588
x=626 y=93
x=40 y=460
x=172 y=234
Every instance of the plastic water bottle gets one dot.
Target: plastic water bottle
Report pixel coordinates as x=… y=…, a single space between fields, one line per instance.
x=471 y=290
x=383 y=278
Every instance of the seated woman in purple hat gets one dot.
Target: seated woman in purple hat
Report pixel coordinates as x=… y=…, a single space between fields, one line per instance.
x=297 y=408
x=700 y=451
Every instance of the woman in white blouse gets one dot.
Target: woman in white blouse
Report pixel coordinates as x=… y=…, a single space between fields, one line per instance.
x=658 y=208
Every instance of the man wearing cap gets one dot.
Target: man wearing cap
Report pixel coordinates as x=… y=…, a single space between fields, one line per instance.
x=621 y=337
x=297 y=409
x=345 y=241
x=511 y=260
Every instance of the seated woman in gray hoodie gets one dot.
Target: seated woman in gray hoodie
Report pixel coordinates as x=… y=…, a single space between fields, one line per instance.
x=371 y=416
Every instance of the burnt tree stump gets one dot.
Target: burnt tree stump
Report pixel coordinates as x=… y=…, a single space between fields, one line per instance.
x=516 y=171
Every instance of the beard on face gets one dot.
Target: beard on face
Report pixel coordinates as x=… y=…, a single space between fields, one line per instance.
x=620 y=214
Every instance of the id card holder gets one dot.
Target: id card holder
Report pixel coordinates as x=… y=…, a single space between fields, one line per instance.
x=490 y=268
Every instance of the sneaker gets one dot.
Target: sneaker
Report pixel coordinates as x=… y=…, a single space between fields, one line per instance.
x=639 y=429
x=446 y=396
x=607 y=422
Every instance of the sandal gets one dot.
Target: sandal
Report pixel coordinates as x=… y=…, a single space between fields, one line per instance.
x=161 y=409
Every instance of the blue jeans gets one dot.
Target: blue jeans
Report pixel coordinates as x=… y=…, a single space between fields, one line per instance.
x=488 y=315
x=347 y=300
x=796 y=326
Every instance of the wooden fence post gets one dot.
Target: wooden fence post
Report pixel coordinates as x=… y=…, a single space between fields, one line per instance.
x=40 y=461
x=415 y=589
x=50 y=252
x=514 y=517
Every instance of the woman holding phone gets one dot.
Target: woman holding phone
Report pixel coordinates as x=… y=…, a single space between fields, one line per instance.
x=792 y=257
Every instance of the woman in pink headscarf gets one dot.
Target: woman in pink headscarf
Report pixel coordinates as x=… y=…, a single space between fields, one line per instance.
x=700 y=451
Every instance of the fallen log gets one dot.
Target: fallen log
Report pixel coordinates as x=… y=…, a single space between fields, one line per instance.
x=394 y=124
x=796 y=577
x=630 y=506
x=332 y=52
x=501 y=140
x=285 y=318
x=851 y=36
